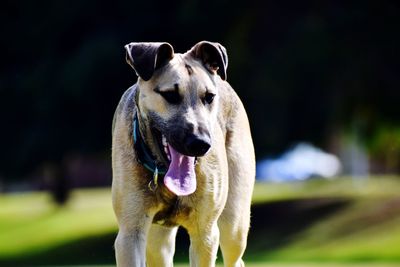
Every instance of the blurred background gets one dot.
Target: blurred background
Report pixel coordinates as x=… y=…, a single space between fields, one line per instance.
x=319 y=80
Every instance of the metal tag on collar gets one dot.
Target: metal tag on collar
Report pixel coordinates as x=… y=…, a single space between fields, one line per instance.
x=154 y=182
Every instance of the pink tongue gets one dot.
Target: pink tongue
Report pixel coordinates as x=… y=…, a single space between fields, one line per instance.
x=180 y=178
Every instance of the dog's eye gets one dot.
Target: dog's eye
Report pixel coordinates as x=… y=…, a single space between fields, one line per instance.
x=208 y=98
x=172 y=97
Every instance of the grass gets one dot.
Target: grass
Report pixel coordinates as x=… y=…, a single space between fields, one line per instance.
x=364 y=230
x=321 y=265
x=346 y=187
x=341 y=220
x=31 y=223
x=287 y=265
x=318 y=221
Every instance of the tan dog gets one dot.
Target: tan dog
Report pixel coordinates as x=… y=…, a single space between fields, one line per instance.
x=182 y=155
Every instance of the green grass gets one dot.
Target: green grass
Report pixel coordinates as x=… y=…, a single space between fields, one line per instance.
x=364 y=230
x=376 y=187
x=279 y=265
x=364 y=227
x=338 y=221
x=31 y=223
x=308 y=265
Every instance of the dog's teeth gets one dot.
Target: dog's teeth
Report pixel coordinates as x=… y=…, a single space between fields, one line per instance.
x=164 y=141
x=167 y=153
x=165 y=145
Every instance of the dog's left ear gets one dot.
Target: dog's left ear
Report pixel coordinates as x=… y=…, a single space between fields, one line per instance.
x=145 y=58
x=213 y=56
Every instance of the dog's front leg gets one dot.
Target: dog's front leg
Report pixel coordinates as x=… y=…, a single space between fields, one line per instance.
x=161 y=246
x=130 y=245
x=204 y=246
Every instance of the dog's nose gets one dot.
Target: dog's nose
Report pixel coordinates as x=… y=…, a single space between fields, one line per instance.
x=198 y=146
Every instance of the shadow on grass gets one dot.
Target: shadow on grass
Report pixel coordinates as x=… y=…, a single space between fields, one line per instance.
x=276 y=224
x=89 y=250
x=273 y=225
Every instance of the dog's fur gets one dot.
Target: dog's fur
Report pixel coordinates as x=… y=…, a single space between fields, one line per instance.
x=218 y=212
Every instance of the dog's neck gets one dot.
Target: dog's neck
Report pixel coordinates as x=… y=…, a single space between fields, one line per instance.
x=141 y=135
x=144 y=155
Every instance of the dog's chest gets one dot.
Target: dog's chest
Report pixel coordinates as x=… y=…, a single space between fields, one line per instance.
x=173 y=210
x=172 y=217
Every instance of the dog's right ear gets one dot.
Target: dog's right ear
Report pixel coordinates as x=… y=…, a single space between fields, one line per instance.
x=145 y=58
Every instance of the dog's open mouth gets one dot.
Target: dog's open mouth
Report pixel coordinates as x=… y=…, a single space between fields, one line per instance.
x=180 y=177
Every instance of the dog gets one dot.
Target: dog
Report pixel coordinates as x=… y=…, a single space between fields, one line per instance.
x=182 y=155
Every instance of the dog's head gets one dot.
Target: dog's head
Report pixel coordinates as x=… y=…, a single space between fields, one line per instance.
x=178 y=95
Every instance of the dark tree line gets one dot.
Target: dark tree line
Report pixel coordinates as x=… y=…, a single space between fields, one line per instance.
x=302 y=68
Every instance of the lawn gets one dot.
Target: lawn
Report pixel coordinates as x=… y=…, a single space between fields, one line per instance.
x=341 y=220
x=31 y=222
x=338 y=221
x=278 y=265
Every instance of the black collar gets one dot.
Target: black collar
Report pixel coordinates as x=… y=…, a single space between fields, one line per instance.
x=144 y=155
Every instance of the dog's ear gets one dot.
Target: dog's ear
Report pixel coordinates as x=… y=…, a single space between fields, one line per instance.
x=213 y=56
x=145 y=58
